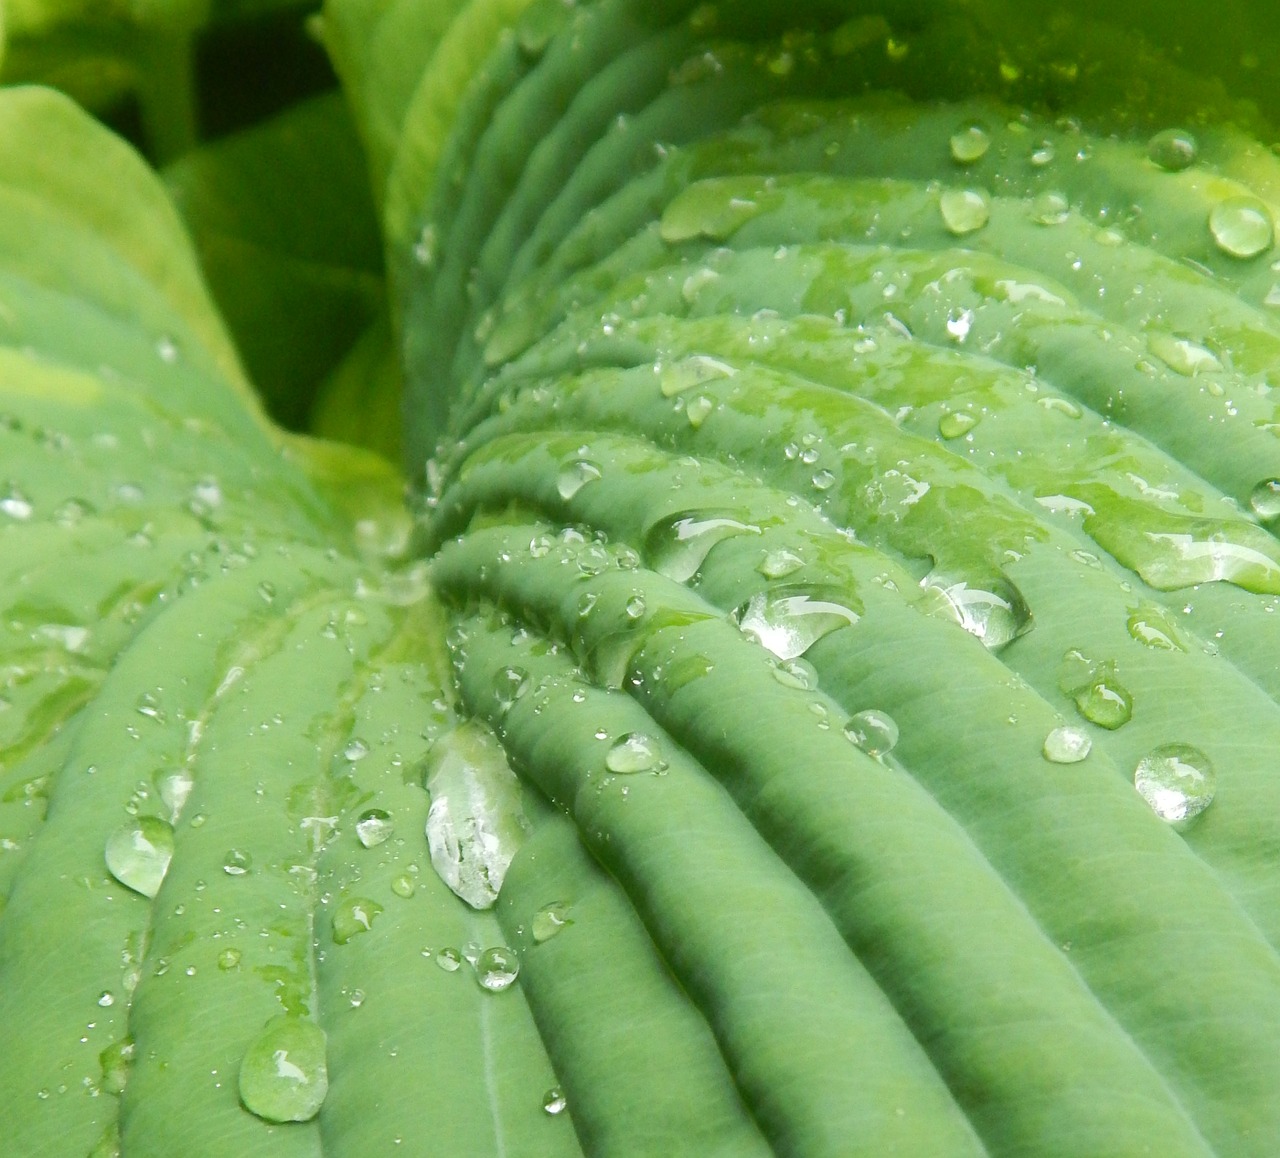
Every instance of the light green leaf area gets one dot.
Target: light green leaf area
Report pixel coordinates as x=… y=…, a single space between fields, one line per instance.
x=289 y=245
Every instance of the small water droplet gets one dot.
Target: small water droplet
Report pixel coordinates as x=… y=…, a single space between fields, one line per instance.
x=677 y=377
x=554 y=1102
x=175 y=789
x=635 y=608
x=1050 y=208
x=229 y=959
x=957 y=423
x=352 y=917
x=875 y=732
x=1067 y=745
x=970 y=144
x=1177 y=780
x=497 y=968
x=404 y=886
x=1042 y=154
x=823 y=480
x=355 y=750
x=549 y=920
x=796 y=673
x=964 y=210
x=236 y=863
x=1100 y=698
x=1242 y=226
x=1264 y=499
x=790 y=619
x=1172 y=150
x=283 y=1076
x=138 y=854
x=574 y=475
x=374 y=827
x=780 y=563
x=699 y=410
x=508 y=686
x=449 y=959
x=1182 y=356
x=117 y=1062
x=676 y=547
x=635 y=752
x=15 y=503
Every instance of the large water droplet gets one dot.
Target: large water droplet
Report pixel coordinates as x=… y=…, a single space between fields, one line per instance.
x=1264 y=499
x=875 y=732
x=964 y=210
x=574 y=475
x=138 y=854
x=353 y=916
x=1150 y=626
x=635 y=752
x=284 y=1077
x=706 y=209
x=957 y=423
x=676 y=377
x=1177 y=780
x=1242 y=226
x=117 y=1062
x=970 y=144
x=1099 y=695
x=995 y=613
x=549 y=920
x=476 y=820
x=1172 y=149
x=1067 y=745
x=497 y=968
x=678 y=546
x=1181 y=355
x=779 y=564
x=374 y=827
x=790 y=619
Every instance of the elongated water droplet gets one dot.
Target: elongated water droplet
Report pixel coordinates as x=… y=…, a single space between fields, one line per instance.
x=374 y=827
x=549 y=920
x=635 y=752
x=875 y=732
x=1182 y=356
x=964 y=210
x=508 y=686
x=497 y=968
x=1172 y=150
x=476 y=820
x=790 y=619
x=284 y=1076
x=1067 y=745
x=1177 y=780
x=1150 y=626
x=138 y=854
x=1242 y=226
x=117 y=1062
x=352 y=917
x=706 y=209
x=554 y=1102
x=678 y=546
x=956 y=424
x=175 y=788
x=574 y=475
x=1264 y=499
x=994 y=612
x=677 y=377
x=970 y=144
x=779 y=564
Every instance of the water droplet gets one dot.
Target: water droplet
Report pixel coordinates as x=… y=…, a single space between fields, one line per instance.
x=780 y=563
x=823 y=480
x=476 y=820
x=1264 y=499
x=449 y=959
x=352 y=917
x=1150 y=626
x=117 y=1062
x=237 y=863
x=283 y=1077
x=677 y=546
x=229 y=959
x=957 y=423
x=554 y=1102
x=15 y=503
x=496 y=968
x=875 y=732
x=175 y=789
x=1242 y=226
x=796 y=673
x=374 y=827
x=635 y=608
x=635 y=752
x=574 y=475
x=508 y=686
x=1043 y=154
x=1172 y=150
x=1050 y=208
x=106 y=999
x=970 y=144
x=995 y=613
x=138 y=854
x=404 y=886
x=676 y=377
x=1177 y=780
x=964 y=210
x=355 y=750
x=699 y=410
x=790 y=619
x=1185 y=357
x=1100 y=697
x=1067 y=745
x=549 y=920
